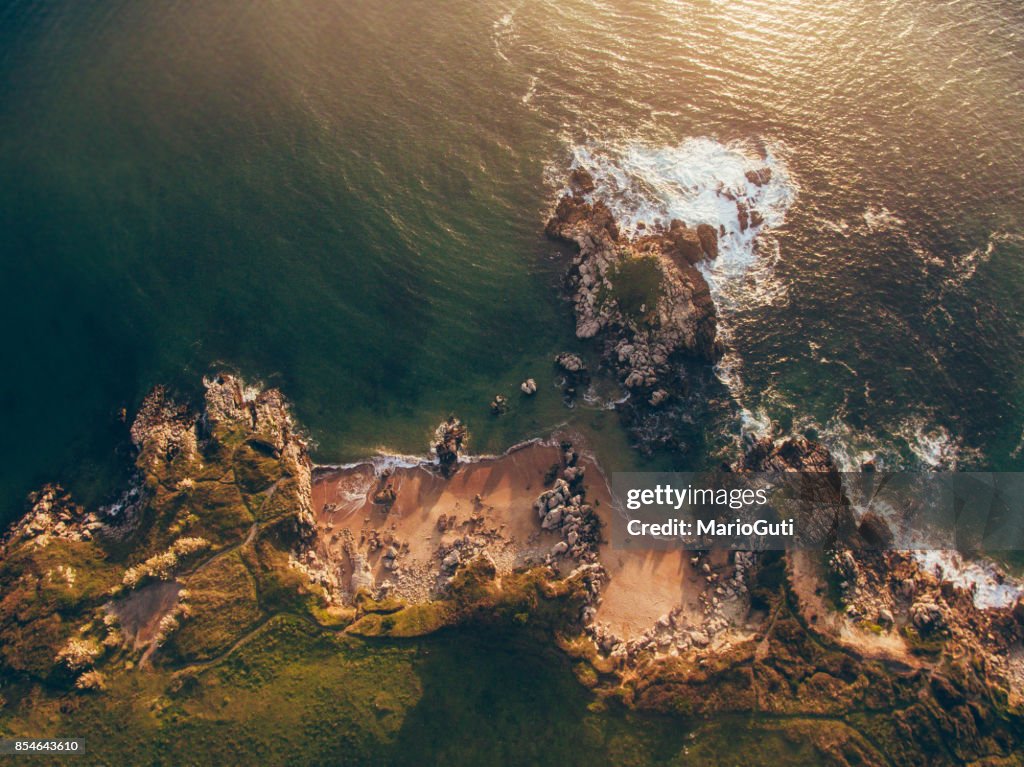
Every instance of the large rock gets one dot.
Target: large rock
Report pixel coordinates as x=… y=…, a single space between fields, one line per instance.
x=448 y=440
x=708 y=240
x=644 y=291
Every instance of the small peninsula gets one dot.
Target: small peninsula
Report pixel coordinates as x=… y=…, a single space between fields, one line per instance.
x=236 y=580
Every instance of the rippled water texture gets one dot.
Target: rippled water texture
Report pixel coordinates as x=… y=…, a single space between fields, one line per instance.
x=345 y=199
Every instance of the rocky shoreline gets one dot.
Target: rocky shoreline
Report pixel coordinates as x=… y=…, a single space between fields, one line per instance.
x=230 y=524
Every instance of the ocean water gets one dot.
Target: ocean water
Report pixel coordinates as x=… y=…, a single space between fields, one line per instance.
x=346 y=200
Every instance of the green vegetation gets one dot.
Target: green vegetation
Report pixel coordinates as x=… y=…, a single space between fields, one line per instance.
x=248 y=663
x=47 y=592
x=635 y=287
x=224 y=606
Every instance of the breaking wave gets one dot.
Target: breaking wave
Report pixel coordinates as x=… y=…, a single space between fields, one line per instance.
x=741 y=189
x=732 y=186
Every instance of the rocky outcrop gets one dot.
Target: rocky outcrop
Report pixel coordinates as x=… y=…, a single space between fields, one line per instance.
x=647 y=306
x=448 y=440
x=54 y=514
x=164 y=431
x=563 y=509
x=794 y=454
x=171 y=437
x=642 y=296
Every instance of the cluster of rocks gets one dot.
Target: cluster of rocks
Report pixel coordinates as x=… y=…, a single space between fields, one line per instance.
x=683 y=318
x=461 y=551
x=649 y=309
x=449 y=438
x=575 y=375
x=724 y=598
x=891 y=590
x=593 y=576
x=563 y=509
x=52 y=513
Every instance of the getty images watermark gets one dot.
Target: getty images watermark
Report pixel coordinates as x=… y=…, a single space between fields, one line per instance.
x=969 y=511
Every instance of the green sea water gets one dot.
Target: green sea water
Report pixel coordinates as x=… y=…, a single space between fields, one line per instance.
x=346 y=200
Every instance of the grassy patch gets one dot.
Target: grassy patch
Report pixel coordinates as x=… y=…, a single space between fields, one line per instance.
x=635 y=287
x=223 y=604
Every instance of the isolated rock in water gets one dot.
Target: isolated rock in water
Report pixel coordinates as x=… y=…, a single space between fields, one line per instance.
x=708 y=240
x=580 y=181
x=570 y=363
x=576 y=374
x=499 y=405
x=528 y=387
x=760 y=177
x=448 y=440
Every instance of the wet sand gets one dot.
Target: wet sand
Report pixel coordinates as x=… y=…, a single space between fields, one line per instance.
x=492 y=499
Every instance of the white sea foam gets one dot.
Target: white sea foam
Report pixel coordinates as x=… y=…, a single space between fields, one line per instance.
x=965 y=266
x=933 y=446
x=703 y=181
x=981 y=577
x=502 y=32
x=915 y=443
x=882 y=218
x=700 y=181
x=381 y=462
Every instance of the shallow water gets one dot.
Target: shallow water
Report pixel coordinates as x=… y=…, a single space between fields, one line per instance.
x=346 y=200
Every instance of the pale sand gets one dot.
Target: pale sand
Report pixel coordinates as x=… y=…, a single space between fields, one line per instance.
x=642 y=586
x=807 y=578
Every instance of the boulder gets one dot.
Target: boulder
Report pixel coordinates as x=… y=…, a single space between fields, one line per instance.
x=759 y=177
x=452 y=560
x=708 y=236
x=570 y=363
x=552 y=519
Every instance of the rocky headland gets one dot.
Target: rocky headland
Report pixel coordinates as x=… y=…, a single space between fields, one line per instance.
x=230 y=533
x=644 y=304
